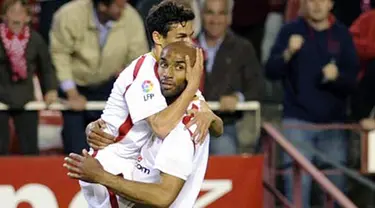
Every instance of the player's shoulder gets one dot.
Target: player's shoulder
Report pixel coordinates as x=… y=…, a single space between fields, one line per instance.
x=145 y=60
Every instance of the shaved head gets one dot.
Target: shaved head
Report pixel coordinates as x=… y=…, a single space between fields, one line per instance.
x=182 y=49
x=173 y=66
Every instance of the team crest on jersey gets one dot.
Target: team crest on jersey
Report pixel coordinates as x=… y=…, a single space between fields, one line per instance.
x=147 y=87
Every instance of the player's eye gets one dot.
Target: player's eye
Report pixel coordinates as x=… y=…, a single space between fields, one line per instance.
x=163 y=65
x=180 y=67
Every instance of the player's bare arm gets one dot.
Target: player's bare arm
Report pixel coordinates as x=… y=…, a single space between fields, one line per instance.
x=98 y=139
x=163 y=122
x=89 y=169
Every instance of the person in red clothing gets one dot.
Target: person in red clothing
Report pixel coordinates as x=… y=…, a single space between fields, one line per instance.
x=363 y=32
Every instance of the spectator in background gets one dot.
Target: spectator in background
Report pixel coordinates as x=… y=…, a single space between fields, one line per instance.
x=248 y=20
x=91 y=42
x=316 y=60
x=363 y=31
x=233 y=72
x=23 y=54
x=273 y=23
x=292 y=10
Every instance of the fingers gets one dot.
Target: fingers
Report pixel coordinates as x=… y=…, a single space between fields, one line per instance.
x=191 y=122
x=203 y=136
x=95 y=147
x=101 y=123
x=71 y=162
x=74 y=176
x=188 y=64
x=85 y=153
x=195 y=135
x=96 y=142
x=197 y=57
x=76 y=157
x=200 y=59
x=105 y=137
x=192 y=112
x=72 y=168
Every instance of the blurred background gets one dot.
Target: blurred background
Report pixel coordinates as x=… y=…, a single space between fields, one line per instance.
x=291 y=80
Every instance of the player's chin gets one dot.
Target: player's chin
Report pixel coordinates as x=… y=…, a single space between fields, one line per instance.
x=168 y=92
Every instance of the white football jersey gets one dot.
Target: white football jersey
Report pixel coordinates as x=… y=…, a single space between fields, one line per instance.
x=176 y=155
x=136 y=95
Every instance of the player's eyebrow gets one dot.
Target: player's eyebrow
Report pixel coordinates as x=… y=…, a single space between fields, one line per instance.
x=180 y=62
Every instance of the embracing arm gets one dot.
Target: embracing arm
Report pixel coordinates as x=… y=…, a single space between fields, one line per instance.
x=155 y=194
x=217 y=126
x=164 y=121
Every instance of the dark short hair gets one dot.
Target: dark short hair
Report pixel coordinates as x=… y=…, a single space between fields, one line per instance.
x=105 y=2
x=168 y=12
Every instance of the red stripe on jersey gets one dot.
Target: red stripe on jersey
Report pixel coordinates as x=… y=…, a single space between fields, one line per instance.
x=113 y=199
x=112 y=196
x=124 y=129
x=128 y=123
x=156 y=67
x=138 y=66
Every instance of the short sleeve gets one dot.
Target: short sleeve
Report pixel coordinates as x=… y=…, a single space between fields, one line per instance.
x=144 y=97
x=176 y=154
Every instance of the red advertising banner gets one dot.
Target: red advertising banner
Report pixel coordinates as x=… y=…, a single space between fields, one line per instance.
x=41 y=182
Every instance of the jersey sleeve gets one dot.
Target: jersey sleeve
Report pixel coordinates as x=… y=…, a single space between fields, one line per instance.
x=176 y=154
x=144 y=97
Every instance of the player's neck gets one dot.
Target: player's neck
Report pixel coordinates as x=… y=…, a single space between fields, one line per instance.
x=171 y=99
x=156 y=51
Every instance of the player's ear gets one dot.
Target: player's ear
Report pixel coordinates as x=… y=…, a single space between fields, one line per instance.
x=157 y=38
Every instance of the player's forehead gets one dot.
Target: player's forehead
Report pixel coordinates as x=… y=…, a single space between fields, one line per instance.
x=181 y=28
x=172 y=55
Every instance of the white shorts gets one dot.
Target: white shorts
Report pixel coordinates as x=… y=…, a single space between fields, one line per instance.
x=98 y=196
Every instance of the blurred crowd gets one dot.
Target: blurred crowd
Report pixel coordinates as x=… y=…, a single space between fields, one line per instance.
x=315 y=57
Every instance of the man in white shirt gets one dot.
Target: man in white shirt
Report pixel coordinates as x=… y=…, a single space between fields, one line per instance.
x=172 y=169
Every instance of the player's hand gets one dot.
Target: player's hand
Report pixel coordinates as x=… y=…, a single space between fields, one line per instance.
x=228 y=103
x=194 y=73
x=50 y=97
x=368 y=124
x=83 y=167
x=203 y=119
x=330 y=72
x=96 y=137
x=295 y=43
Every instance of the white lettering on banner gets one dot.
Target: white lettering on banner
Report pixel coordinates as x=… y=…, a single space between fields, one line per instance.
x=216 y=189
x=37 y=195
x=40 y=196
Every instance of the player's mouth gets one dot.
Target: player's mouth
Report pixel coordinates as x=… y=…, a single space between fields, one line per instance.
x=167 y=85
